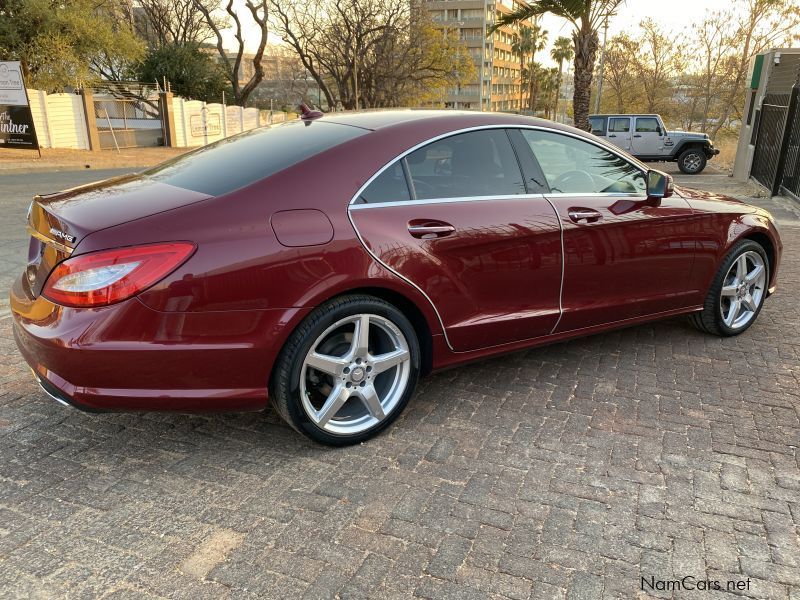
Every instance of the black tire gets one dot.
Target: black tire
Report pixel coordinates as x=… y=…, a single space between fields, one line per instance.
x=710 y=319
x=692 y=156
x=285 y=380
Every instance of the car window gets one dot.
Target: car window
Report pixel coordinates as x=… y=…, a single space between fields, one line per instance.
x=619 y=125
x=240 y=160
x=574 y=166
x=477 y=163
x=598 y=125
x=389 y=186
x=646 y=125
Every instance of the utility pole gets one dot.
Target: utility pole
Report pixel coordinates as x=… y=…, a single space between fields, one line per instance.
x=355 y=71
x=602 y=64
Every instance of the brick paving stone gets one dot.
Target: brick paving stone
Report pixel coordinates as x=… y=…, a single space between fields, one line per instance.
x=562 y=472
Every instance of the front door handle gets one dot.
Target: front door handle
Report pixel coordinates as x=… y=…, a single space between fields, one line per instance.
x=426 y=230
x=589 y=215
x=612 y=135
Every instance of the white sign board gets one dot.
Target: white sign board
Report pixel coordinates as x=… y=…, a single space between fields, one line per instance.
x=12 y=92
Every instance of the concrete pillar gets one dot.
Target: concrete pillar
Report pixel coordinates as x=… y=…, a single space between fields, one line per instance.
x=167 y=119
x=91 y=121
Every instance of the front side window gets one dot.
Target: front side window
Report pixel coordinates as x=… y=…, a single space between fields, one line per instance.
x=477 y=163
x=647 y=125
x=573 y=166
x=619 y=125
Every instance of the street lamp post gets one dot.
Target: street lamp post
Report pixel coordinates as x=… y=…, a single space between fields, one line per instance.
x=602 y=64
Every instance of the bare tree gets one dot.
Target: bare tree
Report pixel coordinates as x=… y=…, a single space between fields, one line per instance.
x=656 y=64
x=171 y=22
x=233 y=63
x=371 y=53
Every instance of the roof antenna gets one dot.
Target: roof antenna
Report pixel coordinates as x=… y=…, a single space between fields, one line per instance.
x=307 y=114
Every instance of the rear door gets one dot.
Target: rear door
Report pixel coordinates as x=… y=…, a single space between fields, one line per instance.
x=619 y=132
x=456 y=219
x=648 y=139
x=625 y=255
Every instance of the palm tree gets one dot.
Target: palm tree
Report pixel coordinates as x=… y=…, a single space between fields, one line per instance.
x=539 y=43
x=585 y=16
x=563 y=50
x=522 y=46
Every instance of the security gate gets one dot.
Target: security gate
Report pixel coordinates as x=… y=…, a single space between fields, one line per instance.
x=790 y=173
x=777 y=146
x=128 y=122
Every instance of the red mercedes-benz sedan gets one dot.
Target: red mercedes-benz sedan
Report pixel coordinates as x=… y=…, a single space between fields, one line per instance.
x=327 y=263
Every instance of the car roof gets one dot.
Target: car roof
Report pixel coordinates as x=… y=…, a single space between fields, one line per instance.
x=625 y=115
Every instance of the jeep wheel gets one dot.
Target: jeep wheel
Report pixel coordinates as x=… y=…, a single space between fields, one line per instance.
x=692 y=161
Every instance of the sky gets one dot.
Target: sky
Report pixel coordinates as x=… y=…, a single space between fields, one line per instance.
x=673 y=16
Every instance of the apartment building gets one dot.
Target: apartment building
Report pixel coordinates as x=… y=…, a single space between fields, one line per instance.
x=496 y=86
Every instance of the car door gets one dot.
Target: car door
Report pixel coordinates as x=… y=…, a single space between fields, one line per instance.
x=619 y=132
x=648 y=138
x=456 y=220
x=625 y=255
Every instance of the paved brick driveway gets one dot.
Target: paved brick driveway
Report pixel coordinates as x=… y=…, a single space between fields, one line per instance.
x=569 y=471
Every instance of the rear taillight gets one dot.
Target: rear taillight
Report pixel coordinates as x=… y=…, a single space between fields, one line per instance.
x=109 y=276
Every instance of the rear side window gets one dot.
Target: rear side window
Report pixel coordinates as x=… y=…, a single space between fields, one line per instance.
x=619 y=125
x=389 y=186
x=237 y=161
x=478 y=163
x=598 y=125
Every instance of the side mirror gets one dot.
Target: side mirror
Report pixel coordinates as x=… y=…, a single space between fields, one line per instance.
x=659 y=185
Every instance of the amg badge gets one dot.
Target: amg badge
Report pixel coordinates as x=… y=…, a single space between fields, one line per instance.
x=64 y=236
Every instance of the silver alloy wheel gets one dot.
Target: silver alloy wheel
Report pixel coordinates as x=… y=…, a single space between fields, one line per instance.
x=355 y=374
x=692 y=162
x=743 y=289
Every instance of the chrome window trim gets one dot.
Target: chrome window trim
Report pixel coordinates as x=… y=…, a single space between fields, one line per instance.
x=613 y=150
x=362 y=206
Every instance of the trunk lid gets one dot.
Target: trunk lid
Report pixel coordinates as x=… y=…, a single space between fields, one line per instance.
x=58 y=222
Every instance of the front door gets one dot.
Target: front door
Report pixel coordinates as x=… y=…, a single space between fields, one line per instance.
x=456 y=219
x=648 y=138
x=625 y=255
x=619 y=132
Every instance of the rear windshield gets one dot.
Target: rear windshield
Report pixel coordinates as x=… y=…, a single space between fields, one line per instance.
x=243 y=159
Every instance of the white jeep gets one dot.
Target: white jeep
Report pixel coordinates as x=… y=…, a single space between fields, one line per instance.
x=646 y=138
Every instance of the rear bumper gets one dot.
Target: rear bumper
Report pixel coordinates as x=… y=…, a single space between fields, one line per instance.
x=128 y=357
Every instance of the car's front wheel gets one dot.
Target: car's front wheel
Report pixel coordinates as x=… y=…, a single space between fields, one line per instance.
x=692 y=161
x=737 y=292
x=347 y=371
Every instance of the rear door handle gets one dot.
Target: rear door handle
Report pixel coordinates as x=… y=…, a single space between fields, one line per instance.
x=637 y=135
x=589 y=215
x=429 y=230
x=612 y=135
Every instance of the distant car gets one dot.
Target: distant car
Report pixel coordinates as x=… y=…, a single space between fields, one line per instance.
x=329 y=262
x=646 y=138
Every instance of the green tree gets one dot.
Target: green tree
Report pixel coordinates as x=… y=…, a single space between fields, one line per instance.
x=562 y=51
x=191 y=72
x=585 y=16
x=66 y=43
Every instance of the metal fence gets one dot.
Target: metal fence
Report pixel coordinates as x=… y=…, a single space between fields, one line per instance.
x=128 y=122
x=790 y=169
x=769 y=134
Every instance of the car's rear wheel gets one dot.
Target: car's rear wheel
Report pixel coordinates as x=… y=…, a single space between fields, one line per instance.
x=737 y=292
x=347 y=371
x=692 y=161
